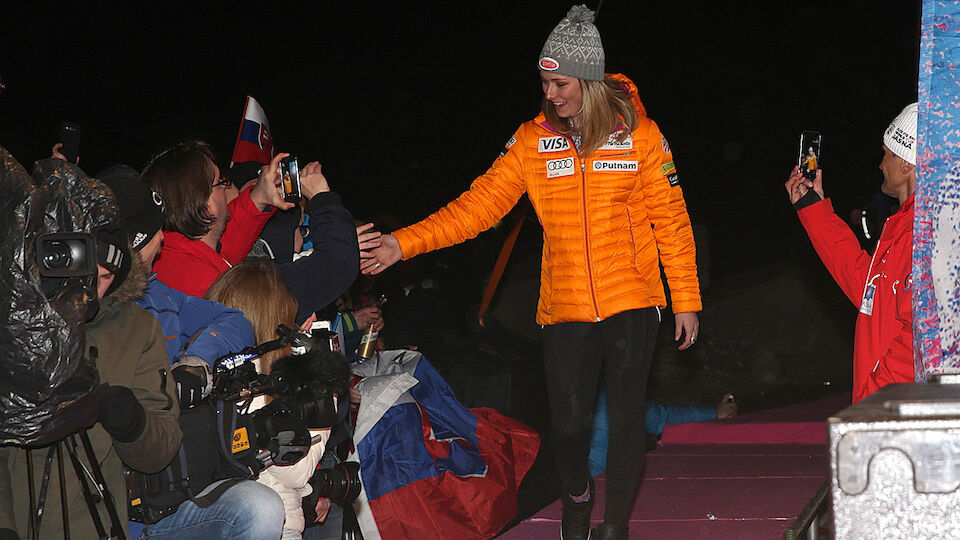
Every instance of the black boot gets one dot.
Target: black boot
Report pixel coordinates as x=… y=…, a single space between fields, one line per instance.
x=609 y=531
x=576 y=516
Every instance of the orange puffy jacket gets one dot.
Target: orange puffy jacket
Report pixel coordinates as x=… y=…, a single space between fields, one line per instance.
x=605 y=218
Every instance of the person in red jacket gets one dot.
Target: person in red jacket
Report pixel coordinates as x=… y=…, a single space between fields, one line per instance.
x=602 y=180
x=203 y=235
x=880 y=284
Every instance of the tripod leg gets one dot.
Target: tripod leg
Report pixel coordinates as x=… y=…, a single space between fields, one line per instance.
x=31 y=516
x=88 y=496
x=44 y=484
x=63 y=495
x=116 y=526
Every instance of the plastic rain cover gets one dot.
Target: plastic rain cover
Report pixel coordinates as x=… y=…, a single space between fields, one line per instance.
x=46 y=382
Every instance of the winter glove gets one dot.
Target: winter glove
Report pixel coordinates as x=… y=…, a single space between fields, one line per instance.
x=121 y=414
x=189 y=386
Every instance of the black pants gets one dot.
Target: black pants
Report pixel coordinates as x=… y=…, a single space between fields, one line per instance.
x=575 y=355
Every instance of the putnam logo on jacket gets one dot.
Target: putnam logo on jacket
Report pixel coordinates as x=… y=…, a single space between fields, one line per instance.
x=602 y=165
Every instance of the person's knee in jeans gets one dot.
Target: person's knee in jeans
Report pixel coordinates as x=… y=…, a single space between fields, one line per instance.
x=245 y=511
x=259 y=511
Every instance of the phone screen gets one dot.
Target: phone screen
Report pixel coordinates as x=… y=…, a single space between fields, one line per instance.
x=809 y=154
x=290 y=176
x=70 y=138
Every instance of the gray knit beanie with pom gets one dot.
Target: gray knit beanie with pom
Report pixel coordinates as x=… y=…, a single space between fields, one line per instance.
x=574 y=48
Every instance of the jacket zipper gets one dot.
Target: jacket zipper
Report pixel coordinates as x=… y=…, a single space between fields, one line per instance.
x=586 y=237
x=586 y=228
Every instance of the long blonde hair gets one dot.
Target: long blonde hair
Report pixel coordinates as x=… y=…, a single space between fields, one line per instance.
x=255 y=289
x=606 y=106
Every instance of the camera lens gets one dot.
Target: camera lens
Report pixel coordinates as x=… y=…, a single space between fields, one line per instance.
x=66 y=254
x=57 y=255
x=341 y=484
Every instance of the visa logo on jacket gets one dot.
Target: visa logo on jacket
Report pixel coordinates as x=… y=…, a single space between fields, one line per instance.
x=552 y=144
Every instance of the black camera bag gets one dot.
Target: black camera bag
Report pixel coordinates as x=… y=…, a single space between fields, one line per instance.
x=218 y=444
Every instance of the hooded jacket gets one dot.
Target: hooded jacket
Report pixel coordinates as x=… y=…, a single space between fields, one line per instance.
x=195 y=326
x=128 y=346
x=879 y=286
x=609 y=219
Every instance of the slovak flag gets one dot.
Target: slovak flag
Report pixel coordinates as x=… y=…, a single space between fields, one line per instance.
x=254 y=140
x=430 y=467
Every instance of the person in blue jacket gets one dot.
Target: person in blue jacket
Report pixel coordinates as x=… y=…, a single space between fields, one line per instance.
x=658 y=415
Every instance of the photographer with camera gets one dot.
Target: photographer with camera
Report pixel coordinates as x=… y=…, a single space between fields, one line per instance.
x=255 y=288
x=136 y=416
x=321 y=379
x=197 y=332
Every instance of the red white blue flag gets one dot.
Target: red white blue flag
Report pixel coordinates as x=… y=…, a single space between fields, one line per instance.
x=254 y=140
x=430 y=467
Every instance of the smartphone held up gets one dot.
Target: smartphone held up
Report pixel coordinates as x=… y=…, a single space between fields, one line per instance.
x=290 y=179
x=808 y=156
x=70 y=140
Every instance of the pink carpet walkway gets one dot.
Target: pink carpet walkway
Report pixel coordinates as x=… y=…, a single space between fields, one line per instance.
x=740 y=479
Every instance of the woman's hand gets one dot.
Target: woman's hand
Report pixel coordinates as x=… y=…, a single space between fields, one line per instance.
x=688 y=326
x=382 y=257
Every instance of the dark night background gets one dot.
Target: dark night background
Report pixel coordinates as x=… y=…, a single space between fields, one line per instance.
x=405 y=103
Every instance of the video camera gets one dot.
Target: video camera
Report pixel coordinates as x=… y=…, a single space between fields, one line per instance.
x=300 y=398
x=66 y=254
x=224 y=439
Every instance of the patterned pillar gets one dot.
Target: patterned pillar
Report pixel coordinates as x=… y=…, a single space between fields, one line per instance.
x=936 y=242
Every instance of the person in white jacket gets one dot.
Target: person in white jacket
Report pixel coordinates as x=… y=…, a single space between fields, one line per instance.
x=292 y=482
x=255 y=289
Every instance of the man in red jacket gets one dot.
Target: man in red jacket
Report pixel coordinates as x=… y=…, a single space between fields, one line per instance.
x=203 y=235
x=879 y=284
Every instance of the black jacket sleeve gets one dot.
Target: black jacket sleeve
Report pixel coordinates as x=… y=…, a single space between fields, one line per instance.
x=320 y=277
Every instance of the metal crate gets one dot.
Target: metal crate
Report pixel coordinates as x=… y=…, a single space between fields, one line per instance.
x=895 y=463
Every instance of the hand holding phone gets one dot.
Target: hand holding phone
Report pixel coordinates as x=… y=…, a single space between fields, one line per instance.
x=312 y=180
x=70 y=141
x=290 y=179
x=809 y=154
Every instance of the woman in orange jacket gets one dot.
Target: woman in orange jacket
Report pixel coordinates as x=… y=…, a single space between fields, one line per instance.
x=601 y=178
